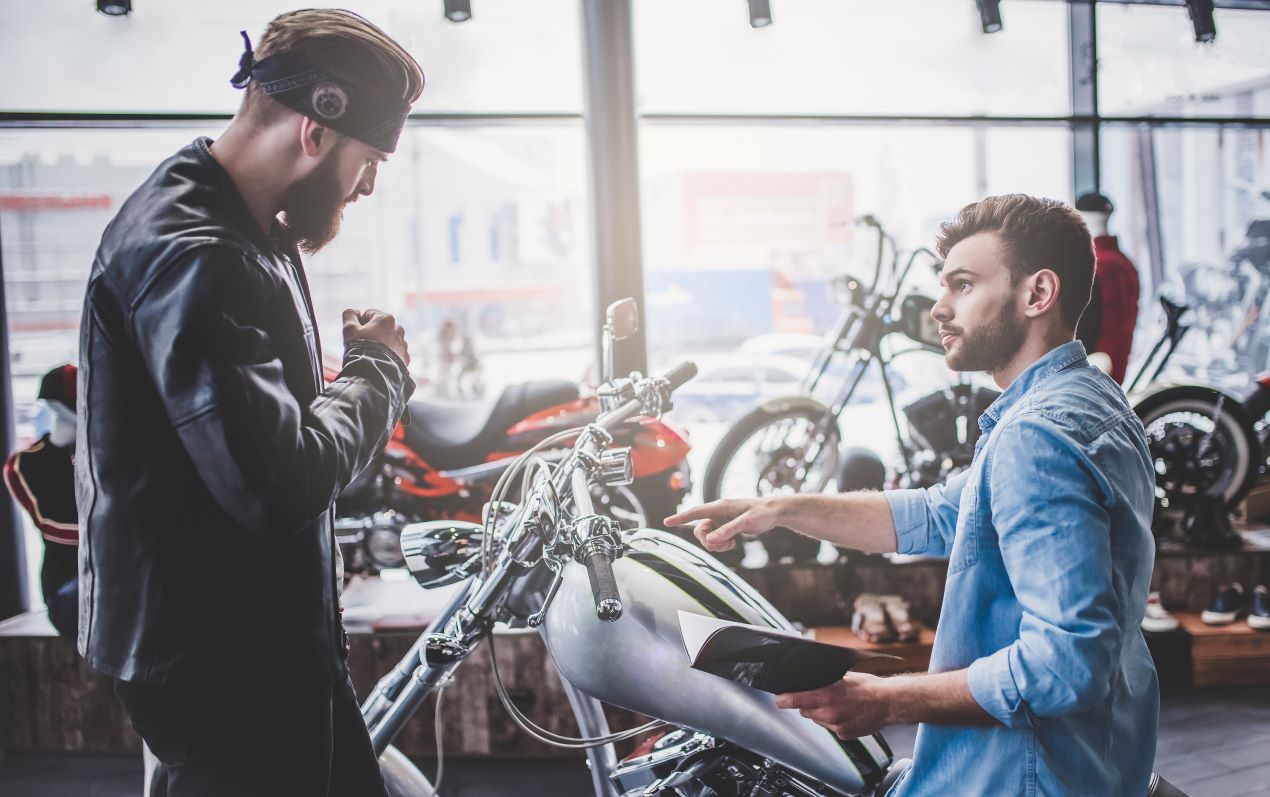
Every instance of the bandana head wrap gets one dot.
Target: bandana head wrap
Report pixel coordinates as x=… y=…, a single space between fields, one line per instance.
x=325 y=98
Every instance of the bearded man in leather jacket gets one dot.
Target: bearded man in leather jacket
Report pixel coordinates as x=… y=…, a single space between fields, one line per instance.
x=207 y=431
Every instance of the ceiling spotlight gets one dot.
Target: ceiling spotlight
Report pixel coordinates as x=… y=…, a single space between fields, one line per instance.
x=458 y=10
x=990 y=15
x=760 y=13
x=115 y=8
x=1202 y=18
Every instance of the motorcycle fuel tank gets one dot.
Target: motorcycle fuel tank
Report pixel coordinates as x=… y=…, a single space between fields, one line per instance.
x=639 y=661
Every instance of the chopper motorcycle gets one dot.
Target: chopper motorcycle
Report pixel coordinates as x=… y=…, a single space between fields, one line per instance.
x=605 y=601
x=445 y=460
x=792 y=443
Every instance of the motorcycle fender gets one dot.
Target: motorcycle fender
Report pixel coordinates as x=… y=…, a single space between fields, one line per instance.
x=783 y=404
x=403 y=778
x=1157 y=393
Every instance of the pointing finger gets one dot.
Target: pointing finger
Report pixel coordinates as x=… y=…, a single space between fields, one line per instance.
x=703 y=512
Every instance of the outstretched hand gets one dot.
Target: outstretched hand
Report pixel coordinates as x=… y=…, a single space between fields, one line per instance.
x=721 y=521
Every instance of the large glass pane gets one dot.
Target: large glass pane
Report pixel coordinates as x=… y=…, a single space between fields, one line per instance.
x=1149 y=63
x=1193 y=211
x=481 y=231
x=835 y=57
x=512 y=56
x=767 y=211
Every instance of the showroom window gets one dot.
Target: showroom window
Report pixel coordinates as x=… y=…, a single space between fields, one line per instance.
x=479 y=221
x=1191 y=179
x=753 y=180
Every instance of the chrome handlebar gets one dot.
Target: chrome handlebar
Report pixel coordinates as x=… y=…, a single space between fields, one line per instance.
x=541 y=526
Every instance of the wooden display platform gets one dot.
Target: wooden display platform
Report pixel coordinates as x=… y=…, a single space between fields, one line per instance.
x=1227 y=655
x=914 y=656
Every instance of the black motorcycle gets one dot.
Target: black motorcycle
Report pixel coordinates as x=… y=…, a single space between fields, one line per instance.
x=792 y=444
x=1206 y=442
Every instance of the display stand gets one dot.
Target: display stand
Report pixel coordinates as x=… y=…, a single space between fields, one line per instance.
x=1227 y=655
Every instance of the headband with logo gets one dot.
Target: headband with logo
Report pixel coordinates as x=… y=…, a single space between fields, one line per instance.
x=325 y=98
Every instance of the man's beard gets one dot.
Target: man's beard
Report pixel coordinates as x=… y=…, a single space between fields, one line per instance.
x=991 y=347
x=313 y=209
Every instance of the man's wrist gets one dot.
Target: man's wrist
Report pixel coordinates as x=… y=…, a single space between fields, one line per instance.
x=778 y=507
x=896 y=694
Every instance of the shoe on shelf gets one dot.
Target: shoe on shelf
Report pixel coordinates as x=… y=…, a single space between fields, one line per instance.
x=1227 y=604
x=896 y=609
x=1157 y=619
x=1259 y=617
x=869 y=620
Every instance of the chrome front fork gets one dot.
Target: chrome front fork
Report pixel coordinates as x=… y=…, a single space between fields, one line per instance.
x=402 y=692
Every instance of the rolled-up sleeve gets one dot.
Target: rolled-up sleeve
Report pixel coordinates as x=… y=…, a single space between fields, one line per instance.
x=926 y=518
x=1054 y=532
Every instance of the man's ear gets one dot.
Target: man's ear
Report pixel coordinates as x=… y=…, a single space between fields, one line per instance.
x=1043 y=288
x=313 y=137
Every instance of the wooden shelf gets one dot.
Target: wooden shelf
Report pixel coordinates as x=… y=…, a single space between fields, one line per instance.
x=914 y=656
x=1227 y=655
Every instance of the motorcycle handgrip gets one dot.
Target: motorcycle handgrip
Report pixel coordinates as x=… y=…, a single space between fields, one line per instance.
x=680 y=373
x=599 y=569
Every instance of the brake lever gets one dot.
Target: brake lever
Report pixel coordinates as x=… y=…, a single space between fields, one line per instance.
x=536 y=619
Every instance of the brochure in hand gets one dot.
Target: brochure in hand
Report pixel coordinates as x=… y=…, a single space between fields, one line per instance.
x=770 y=659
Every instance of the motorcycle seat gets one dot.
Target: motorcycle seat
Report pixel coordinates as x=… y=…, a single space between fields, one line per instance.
x=458 y=434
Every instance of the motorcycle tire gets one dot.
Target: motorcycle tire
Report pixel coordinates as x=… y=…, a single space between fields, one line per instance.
x=1172 y=418
x=774 y=476
x=660 y=501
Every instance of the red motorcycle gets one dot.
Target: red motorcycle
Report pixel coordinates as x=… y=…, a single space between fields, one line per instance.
x=446 y=462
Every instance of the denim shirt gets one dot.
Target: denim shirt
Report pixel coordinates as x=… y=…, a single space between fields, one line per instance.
x=1048 y=537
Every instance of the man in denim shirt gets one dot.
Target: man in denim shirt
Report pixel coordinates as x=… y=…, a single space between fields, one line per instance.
x=1040 y=682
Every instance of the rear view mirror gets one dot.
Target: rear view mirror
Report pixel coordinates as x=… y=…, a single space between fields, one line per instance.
x=916 y=322
x=623 y=318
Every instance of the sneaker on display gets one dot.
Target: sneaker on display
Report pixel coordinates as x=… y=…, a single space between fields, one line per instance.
x=1226 y=606
x=869 y=620
x=1259 y=617
x=896 y=609
x=1157 y=619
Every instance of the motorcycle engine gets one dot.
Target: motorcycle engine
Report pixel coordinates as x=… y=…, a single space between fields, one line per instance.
x=687 y=764
x=376 y=536
x=943 y=427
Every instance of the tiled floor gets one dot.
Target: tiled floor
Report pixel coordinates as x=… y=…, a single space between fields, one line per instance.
x=1214 y=743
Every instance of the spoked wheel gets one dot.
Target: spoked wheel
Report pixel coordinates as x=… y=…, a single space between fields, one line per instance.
x=622 y=504
x=1200 y=444
x=776 y=449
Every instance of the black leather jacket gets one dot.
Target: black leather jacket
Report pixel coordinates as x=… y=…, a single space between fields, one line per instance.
x=209 y=450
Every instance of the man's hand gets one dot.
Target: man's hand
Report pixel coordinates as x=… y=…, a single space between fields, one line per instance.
x=722 y=520
x=378 y=326
x=857 y=705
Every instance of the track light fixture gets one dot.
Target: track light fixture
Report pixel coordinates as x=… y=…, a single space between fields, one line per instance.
x=989 y=15
x=115 y=8
x=1201 y=12
x=458 y=10
x=760 y=13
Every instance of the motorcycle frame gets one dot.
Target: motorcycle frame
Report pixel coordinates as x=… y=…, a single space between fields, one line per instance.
x=466 y=621
x=860 y=332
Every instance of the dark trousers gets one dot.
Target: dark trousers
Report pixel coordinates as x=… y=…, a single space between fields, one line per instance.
x=277 y=735
x=59 y=583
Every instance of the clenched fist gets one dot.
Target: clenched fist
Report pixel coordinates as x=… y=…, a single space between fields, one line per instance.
x=378 y=326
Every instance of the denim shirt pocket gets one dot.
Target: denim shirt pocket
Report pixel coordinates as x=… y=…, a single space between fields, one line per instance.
x=965 y=547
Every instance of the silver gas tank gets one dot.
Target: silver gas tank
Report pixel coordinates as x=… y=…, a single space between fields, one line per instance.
x=639 y=661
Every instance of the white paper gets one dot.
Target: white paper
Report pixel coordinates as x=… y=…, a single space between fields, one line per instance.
x=698 y=628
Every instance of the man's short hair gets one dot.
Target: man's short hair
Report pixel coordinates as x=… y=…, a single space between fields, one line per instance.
x=1037 y=233
x=342 y=43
